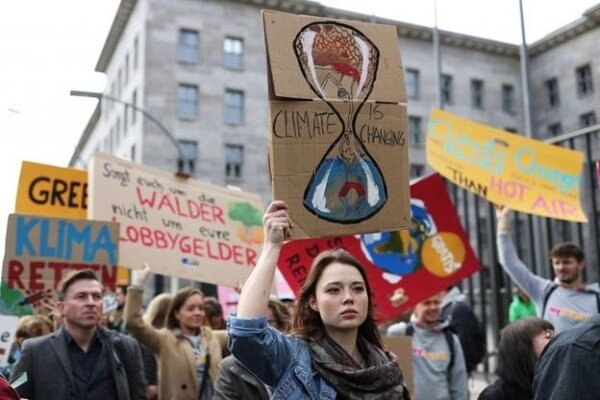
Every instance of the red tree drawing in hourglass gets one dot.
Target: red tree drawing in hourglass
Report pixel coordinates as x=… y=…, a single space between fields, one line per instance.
x=340 y=63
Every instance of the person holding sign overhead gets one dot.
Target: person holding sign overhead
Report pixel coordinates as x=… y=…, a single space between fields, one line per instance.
x=564 y=302
x=188 y=352
x=337 y=351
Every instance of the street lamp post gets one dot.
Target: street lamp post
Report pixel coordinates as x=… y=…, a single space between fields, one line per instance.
x=180 y=161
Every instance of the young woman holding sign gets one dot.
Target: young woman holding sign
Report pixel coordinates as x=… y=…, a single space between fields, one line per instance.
x=188 y=352
x=337 y=350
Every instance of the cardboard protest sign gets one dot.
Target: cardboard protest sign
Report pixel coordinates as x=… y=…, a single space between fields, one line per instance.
x=338 y=134
x=8 y=327
x=41 y=250
x=53 y=191
x=430 y=256
x=109 y=303
x=507 y=169
x=183 y=228
x=401 y=346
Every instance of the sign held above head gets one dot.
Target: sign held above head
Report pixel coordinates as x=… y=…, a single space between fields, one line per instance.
x=338 y=135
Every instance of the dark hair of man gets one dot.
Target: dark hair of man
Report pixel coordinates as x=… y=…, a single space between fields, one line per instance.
x=566 y=250
x=280 y=314
x=308 y=323
x=178 y=301
x=73 y=276
x=516 y=359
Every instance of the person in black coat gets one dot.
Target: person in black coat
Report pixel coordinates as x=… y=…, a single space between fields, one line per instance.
x=82 y=359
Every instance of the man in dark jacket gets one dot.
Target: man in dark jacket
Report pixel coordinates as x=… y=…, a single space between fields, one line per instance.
x=81 y=360
x=569 y=365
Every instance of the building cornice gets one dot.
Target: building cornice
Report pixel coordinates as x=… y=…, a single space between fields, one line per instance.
x=588 y=21
x=114 y=34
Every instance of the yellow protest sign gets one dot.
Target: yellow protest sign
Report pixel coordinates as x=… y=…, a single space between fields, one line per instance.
x=50 y=191
x=508 y=169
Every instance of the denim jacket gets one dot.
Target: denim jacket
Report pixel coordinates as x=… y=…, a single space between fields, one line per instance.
x=280 y=361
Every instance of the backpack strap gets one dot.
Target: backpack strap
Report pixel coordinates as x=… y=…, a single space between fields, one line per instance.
x=410 y=329
x=450 y=340
x=553 y=288
x=595 y=293
x=547 y=297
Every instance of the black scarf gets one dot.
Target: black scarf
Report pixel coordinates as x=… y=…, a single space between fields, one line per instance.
x=381 y=379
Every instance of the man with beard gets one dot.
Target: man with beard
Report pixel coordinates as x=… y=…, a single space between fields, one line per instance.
x=81 y=360
x=564 y=302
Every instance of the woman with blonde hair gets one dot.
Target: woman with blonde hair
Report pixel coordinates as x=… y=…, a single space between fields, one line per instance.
x=188 y=352
x=336 y=351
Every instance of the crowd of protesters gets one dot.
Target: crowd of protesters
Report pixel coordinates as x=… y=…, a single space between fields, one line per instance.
x=324 y=345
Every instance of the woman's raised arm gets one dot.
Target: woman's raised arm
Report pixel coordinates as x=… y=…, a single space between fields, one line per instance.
x=257 y=289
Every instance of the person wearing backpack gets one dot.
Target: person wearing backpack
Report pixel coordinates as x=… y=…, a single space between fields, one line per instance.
x=463 y=321
x=564 y=302
x=437 y=358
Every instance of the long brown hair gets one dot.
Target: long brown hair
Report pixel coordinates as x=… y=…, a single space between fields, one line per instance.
x=307 y=322
x=178 y=301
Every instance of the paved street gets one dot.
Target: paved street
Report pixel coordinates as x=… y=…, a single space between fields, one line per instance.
x=477 y=383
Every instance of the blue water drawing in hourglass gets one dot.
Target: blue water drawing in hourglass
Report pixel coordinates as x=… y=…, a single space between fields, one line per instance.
x=340 y=65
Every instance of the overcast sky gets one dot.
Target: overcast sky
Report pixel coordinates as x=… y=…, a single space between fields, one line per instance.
x=50 y=47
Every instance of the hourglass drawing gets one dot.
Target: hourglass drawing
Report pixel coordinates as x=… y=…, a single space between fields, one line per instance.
x=340 y=65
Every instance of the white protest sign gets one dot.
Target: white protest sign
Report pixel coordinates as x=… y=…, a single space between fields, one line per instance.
x=183 y=228
x=8 y=326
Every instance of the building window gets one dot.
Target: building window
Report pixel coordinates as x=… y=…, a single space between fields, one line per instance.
x=555 y=129
x=112 y=94
x=132 y=152
x=233 y=53
x=189 y=149
x=126 y=68
x=412 y=83
x=477 y=93
x=125 y=119
x=508 y=98
x=133 y=110
x=587 y=119
x=118 y=133
x=234 y=106
x=120 y=83
x=136 y=51
x=415 y=131
x=234 y=161
x=416 y=170
x=585 y=85
x=108 y=141
x=552 y=92
x=187 y=101
x=446 y=90
x=188 y=46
